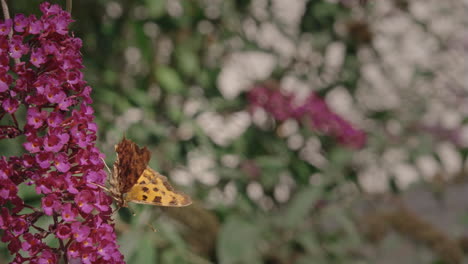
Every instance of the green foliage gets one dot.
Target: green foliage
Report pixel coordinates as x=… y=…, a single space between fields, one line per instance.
x=155 y=68
x=238 y=242
x=169 y=79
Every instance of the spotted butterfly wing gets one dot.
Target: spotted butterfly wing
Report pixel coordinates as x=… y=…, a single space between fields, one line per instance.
x=134 y=181
x=153 y=188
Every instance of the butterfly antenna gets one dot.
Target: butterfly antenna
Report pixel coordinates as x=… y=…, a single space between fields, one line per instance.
x=107 y=167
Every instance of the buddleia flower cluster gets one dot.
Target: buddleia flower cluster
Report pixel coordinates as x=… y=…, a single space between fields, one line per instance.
x=281 y=106
x=45 y=103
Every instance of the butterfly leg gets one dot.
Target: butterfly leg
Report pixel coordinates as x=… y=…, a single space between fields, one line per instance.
x=102 y=187
x=131 y=211
x=116 y=210
x=152 y=227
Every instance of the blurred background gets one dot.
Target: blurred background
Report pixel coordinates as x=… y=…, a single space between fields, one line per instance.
x=306 y=131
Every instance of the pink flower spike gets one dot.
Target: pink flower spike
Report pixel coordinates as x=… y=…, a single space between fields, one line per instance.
x=19 y=226
x=31 y=244
x=5 y=27
x=55 y=119
x=64 y=137
x=49 y=9
x=50 y=48
x=52 y=143
x=10 y=105
x=43 y=159
x=80 y=232
x=38 y=57
x=56 y=97
x=3 y=86
x=69 y=212
x=103 y=202
x=35 y=118
x=33 y=146
x=71 y=183
x=65 y=104
x=50 y=203
x=50 y=86
x=20 y=22
x=85 y=200
x=74 y=251
x=47 y=257
x=35 y=27
x=61 y=24
x=61 y=162
x=63 y=231
x=17 y=48
x=74 y=77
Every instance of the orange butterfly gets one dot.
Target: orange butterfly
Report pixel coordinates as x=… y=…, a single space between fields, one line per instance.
x=134 y=181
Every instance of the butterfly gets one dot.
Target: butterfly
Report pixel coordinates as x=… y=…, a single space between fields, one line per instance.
x=132 y=180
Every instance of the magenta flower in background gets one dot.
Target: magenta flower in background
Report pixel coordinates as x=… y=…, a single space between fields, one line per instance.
x=314 y=109
x=61 y=160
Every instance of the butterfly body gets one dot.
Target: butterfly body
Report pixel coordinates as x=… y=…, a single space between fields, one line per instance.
x=134 y=181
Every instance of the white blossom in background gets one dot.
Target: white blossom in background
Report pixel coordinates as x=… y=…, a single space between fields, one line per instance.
x=181 y=177
x=230 y=193
x=420 y=74
x=130 y=116
x=255 y=191
x=311 y=153
x=342 y=102
x=224 y=130
x=293 y=85
x=428 y=166
x=374 y=179
x=242 y=69
x=230 y=160
x=271 y=38
x=200 y=167
x=405 y=174
x=114 y=9
x=283 y=189
x=450 y=158
x=289 y=13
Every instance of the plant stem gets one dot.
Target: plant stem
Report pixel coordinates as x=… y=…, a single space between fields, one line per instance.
x=62 y=246
x=14 y=120
x=6 y=15
x=69 y=6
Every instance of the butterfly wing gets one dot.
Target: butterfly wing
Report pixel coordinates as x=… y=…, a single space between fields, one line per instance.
x=130 y=163
x=153 y=188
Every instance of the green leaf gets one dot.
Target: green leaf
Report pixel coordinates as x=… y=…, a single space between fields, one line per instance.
x=155 y=8
x=169 y=79
x=146 y=251
x=28 y=193
x=170 y=256
x=309 y=260
x=171 y=235
x=343 y=220
x=300 y=206
x=311 y=244
x=237 y=242
x=174 y=112
x=271 y=162
x=128 y=242
x=140 y=97
x=187 y=61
